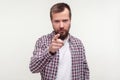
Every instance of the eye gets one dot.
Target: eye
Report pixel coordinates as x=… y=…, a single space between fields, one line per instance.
x=65 y=20
x=56 y=21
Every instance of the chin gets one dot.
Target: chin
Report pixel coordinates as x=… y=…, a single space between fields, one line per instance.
x=63 y=36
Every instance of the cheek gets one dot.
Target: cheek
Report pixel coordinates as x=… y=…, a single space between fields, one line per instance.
x=55 y=27
x=67 y=26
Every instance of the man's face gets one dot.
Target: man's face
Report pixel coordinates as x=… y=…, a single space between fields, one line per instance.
x=61 y=23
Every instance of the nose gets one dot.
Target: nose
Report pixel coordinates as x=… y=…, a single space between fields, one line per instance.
x=61 y=25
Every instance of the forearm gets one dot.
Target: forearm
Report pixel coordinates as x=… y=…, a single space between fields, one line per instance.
x=39 y=61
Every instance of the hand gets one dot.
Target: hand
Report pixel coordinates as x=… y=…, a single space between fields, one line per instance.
x=56 y=44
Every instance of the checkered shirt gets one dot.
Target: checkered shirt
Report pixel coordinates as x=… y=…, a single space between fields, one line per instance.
x=47 y=65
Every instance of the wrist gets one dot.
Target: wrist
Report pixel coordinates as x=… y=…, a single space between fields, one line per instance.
x=52 y=53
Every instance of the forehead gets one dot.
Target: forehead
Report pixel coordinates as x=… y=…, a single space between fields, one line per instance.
x=61 y=15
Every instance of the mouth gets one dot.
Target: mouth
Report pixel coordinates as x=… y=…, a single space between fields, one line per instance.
x=61 y=31
x=62 y=35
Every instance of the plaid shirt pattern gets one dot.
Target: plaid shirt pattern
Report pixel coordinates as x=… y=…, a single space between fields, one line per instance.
x=47 y=65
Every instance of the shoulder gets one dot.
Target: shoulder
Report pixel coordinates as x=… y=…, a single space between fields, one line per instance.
x=45 y=38
x=77 y=44
x=75 y=40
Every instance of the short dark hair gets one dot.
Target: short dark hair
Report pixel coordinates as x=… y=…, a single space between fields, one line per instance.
x=59 y=7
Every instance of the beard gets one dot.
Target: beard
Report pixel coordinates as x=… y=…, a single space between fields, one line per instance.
x=63 y=34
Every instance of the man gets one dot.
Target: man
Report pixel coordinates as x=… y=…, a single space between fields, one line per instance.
x=59 y=55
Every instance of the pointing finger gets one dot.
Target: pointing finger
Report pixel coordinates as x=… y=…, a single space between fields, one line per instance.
x=56 y=36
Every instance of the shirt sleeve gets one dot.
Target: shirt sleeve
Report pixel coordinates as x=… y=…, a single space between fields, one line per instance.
x=85 y=66
x=40 y=58
x=86 y=70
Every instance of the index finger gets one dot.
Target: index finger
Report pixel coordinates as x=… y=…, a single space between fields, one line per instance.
x=56 y=36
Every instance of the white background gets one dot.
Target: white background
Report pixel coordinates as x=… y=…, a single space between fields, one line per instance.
x=95 y=22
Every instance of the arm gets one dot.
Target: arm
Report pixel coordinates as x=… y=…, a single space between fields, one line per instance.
x=40 y=58
x=44 y=53
x=85 y=66
x=86 y=70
